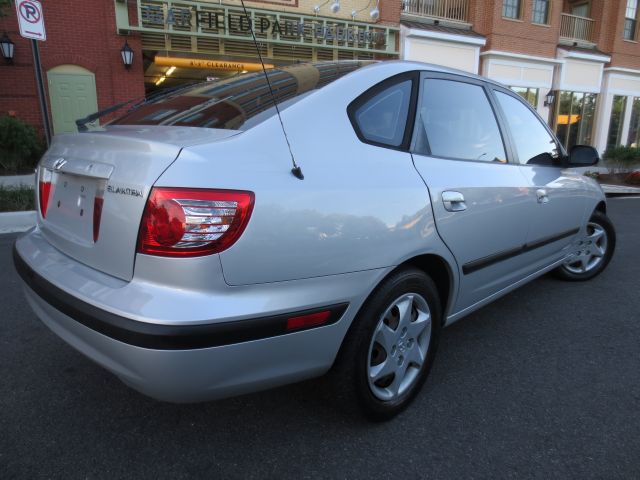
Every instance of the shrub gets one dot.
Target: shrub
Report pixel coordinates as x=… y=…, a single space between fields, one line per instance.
x=20 y=146
x=16 y=199
x=633 y=178
x=620 y=159
x=594 y=175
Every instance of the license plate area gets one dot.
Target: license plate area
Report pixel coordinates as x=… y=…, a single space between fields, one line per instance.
x=71 y=208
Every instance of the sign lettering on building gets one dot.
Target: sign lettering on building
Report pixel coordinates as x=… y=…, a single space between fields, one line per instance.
x=156 y=15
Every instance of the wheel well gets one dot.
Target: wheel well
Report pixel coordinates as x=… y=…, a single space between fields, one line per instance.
x=439 y=271
x=601 y=207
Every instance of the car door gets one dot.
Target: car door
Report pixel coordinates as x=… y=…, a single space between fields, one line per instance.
x=477 y=194
x=556 y=197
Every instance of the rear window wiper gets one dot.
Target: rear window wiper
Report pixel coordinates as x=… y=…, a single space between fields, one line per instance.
x=81 y=123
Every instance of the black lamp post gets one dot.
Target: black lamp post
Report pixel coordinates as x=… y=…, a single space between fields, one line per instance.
x=127 y=55
x=7 y=47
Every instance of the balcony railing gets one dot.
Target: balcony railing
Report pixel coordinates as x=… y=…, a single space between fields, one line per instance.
x=453 y=10
x=577 y=28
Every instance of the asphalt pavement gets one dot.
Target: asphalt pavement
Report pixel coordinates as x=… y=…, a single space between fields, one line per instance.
x=544 y=383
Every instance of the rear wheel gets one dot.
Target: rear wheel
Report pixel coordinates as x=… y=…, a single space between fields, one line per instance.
x=389 y=350
x=592 y=251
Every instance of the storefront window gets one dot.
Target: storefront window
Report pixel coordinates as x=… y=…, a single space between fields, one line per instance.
x=615 y=123
x=529 y=94
x=633 y=140
x=574 y=120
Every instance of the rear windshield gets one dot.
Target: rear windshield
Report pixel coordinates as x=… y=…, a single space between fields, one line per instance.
x=240 y=102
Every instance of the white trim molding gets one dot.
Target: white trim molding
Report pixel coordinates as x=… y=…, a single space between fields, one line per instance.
x=628 y=71
x=520 y=56
x=592 y=57
x=446 y=37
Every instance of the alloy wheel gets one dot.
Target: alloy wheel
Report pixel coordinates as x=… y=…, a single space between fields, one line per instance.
x=590 y=250
x=399 y=345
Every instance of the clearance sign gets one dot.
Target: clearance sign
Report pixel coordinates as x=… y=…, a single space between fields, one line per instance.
x=209 y=64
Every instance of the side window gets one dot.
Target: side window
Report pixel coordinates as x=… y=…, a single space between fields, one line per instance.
x=533 y=142
x=382 y=117
x=455 y=120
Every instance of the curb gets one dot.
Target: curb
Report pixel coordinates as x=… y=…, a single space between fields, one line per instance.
x=18 y=180
x=11 y=222
x=613 y=190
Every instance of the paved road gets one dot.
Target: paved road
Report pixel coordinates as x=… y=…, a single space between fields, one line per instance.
x=544 y=383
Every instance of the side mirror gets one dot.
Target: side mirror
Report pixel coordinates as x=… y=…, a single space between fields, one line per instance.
x=583 y=156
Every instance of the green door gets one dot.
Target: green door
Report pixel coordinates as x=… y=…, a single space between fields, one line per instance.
x=72 y=95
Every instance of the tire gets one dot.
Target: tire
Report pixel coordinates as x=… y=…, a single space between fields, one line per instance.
x=396 y=351
x=592 y=250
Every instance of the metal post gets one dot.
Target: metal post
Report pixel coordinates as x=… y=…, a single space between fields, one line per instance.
x=43 y=102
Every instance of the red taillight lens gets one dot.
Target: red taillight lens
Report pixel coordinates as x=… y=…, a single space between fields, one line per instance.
x=97 y=215
x=186 y=222
x=45 y=190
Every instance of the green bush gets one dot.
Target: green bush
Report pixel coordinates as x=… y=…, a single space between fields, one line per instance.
x=20 y=146
x=620 y=159
x=16 y=199
x=594 y=175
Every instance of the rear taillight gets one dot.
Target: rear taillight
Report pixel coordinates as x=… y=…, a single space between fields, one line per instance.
x=45 y=190
x=185 y=222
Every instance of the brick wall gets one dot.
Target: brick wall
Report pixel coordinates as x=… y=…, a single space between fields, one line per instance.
x=78 y=33
x=518 y=36
x=624 y=53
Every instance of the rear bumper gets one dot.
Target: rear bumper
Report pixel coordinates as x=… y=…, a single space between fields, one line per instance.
x=184 y=362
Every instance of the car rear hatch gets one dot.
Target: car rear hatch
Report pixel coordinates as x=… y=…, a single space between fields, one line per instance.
x=92 y=189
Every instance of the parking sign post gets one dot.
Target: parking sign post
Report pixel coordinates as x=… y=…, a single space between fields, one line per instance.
x=31 y=22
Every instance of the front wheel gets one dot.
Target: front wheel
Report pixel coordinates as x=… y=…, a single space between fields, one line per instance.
x=390 y=348
x=592 y=251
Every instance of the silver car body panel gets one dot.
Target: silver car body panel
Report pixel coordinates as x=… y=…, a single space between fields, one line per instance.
x=331 y=238
x=134 y=158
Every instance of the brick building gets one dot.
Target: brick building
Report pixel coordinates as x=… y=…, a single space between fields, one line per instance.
x=177 y=43
x=583 y=55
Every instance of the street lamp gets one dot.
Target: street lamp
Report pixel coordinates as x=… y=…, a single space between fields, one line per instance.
x=7 y=47
x=127 y=55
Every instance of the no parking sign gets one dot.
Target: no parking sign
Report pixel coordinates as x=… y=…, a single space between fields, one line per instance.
x=31 y=19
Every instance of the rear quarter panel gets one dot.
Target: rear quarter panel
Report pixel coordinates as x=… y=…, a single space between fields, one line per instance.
x=359 y=206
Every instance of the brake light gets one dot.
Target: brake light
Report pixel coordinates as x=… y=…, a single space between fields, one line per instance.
x=186 y=222
x=97 y=215
x=45 y=190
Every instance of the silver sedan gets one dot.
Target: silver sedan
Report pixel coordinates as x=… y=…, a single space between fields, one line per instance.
x=237 y=235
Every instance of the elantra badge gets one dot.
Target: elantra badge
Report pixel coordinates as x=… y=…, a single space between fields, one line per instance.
x=132 y=192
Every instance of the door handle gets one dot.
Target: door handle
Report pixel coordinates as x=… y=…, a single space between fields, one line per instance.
x=541 y=193
x=453 y=201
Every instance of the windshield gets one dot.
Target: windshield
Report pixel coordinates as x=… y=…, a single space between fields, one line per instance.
x=240 y=102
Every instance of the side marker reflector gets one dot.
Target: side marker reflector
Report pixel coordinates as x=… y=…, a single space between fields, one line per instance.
x=306 y=321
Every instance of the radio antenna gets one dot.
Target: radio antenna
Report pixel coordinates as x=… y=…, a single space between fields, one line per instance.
x=296 y=170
